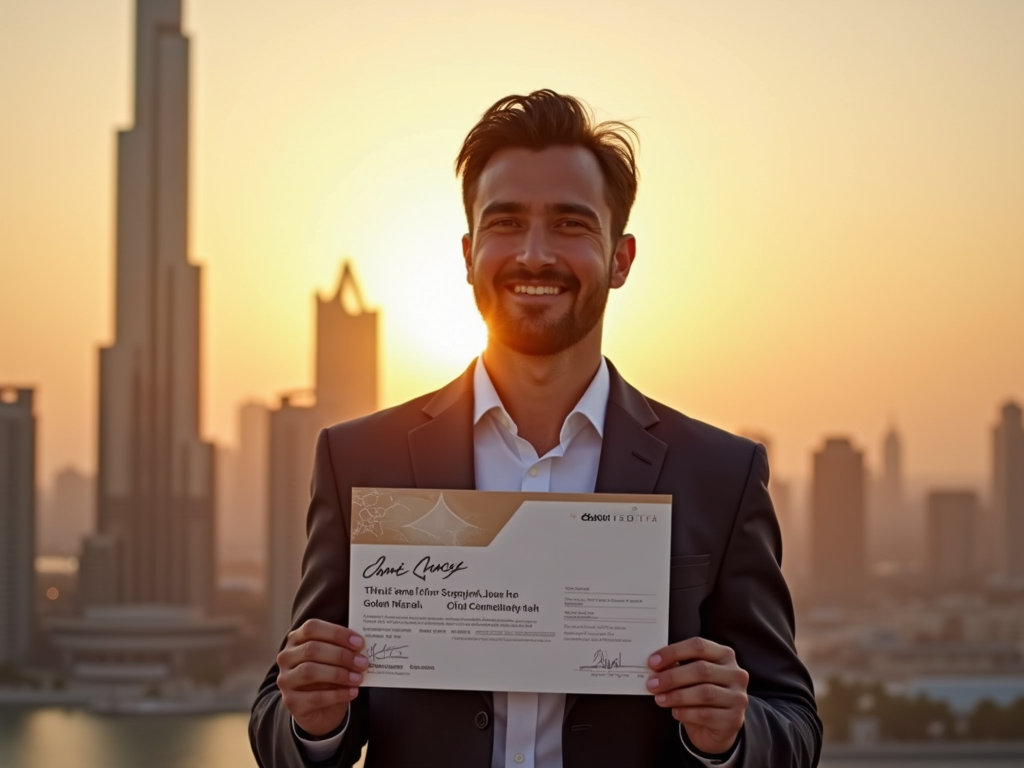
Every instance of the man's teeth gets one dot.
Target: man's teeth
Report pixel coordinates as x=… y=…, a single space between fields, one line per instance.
x=539 y=290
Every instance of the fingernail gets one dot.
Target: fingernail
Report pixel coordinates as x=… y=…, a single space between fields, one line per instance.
x=353 y=692
x=655 y=660
x=660 y=698
x=354 y=677
x=355 y=641
x=652 y=682
x=362 y=661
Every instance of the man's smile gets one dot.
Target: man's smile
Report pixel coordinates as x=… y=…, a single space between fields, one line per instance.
x=532 y=289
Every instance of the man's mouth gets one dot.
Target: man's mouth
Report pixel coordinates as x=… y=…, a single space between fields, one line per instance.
x=537 y=290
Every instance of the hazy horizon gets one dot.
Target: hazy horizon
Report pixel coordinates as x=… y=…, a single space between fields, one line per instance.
x=828 y=223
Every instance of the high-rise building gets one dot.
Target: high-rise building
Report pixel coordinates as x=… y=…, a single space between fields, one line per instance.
x=17 y=523
x=242 y=487
x=346 y=353
x=895 y=535
x=68 y=514
x=346 y=388
x=1008 y=489
x=148 y=574
x=293 y=430
x=952 y=523
x=838 y=521
x=156 y=474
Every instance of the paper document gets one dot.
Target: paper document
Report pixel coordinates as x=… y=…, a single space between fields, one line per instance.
x=476 y=590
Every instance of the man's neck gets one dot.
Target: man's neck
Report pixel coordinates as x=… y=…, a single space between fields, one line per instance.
x=539 y=392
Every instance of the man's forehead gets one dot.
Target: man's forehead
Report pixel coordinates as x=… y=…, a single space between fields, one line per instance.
x=544 y=177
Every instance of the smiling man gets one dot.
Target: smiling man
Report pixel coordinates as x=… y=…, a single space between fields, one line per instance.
x=547 y=196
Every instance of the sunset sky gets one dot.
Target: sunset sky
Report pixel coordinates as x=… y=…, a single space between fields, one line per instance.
x=830 y=221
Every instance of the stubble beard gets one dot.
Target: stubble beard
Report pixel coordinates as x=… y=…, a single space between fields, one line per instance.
x=528 y=332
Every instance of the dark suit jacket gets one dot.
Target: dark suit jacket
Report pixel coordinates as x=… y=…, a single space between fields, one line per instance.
x=726 y=585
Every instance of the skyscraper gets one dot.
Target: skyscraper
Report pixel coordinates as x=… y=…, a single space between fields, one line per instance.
x=346 y=388
x=242 y=489
x=895 y=537
x=952 y=522
x=155 y=481
x=17 y=523
x=838 y=521
x=346 y=353
x=1008 y=489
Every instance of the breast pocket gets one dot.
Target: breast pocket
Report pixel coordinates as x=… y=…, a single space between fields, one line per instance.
x=687 y=571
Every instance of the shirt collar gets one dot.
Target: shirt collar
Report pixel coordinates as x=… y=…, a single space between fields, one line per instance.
x=591 y=406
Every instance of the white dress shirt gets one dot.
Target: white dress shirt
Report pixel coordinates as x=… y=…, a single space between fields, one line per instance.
x=528 y=726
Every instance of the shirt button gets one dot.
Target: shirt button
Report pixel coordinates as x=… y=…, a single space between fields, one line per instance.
x=520 y=757
x=533 y=473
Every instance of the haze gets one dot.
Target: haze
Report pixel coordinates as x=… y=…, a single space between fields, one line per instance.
x=829 y=220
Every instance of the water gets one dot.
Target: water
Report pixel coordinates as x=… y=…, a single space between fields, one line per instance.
x=59 y=738
x=52 y=737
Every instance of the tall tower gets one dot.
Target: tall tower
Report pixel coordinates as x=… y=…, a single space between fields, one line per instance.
x=17 y=523
x=346 y=388
x=346 y=353
x=838 y=521
x=1008 y=488
x=155 y=495
x=952 y=525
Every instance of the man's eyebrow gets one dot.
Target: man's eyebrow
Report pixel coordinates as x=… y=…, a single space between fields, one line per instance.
x=573 y=209
x=502 y=206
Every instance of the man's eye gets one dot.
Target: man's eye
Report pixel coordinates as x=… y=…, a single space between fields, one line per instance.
x=571 y=223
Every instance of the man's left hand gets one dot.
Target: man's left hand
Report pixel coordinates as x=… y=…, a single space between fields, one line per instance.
x=706 y=689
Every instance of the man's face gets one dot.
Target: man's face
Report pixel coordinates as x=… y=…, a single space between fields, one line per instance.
x=541 y=259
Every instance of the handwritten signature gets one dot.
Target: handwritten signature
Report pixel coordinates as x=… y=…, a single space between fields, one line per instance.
x=385 y=651
x=602 y=660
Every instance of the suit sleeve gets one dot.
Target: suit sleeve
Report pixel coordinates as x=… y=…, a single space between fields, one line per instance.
x=751 y=611
x=322 y=594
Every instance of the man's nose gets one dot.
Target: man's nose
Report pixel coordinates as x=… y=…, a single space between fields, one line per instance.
x=536 y=251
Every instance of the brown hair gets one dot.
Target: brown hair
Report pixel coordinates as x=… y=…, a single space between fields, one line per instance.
x=548 y=119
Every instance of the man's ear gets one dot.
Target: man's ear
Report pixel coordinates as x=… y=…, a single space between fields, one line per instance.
x=467 y=256
x=622 y=260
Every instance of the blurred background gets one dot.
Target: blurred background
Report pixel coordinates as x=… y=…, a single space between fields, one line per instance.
x=226 y=224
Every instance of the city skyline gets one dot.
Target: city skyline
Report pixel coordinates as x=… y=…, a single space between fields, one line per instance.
x=831 y=233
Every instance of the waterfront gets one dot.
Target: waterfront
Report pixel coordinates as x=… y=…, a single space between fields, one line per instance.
x=53 y=737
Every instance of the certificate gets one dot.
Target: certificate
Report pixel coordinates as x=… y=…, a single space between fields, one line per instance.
x=477 y=590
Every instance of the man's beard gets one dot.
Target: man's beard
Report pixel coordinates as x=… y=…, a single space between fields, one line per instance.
x=530 y=333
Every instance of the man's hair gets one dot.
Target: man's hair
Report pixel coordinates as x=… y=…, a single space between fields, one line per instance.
x=548 y=119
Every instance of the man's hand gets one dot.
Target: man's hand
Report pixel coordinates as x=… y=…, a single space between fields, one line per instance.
x=705 y=688
x=321 y=670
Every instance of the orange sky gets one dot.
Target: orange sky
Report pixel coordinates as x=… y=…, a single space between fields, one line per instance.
x=829 y=220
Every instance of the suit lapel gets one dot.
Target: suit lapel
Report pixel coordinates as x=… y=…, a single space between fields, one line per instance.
x=631 y=457
x=442 y=449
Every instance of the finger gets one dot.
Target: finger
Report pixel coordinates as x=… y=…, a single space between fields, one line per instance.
x=321 y=652
x=690 y=650
x=700 y=696
x=724 y=721
x=698 y=673
x=303 y=703
x=312 y=676
x=318 y=629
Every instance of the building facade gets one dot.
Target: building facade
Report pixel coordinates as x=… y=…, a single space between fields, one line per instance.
x=952 y=525
x=17 y=523
x=1008 y=490
x=838 y=522
x=346 y=388
x=155 y=484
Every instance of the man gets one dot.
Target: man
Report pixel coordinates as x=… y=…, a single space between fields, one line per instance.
x=547 y=197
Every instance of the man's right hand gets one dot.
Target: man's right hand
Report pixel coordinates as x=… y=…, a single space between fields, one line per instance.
x=320 y=672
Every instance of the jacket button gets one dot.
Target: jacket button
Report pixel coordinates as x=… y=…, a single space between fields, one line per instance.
x=482 y=720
